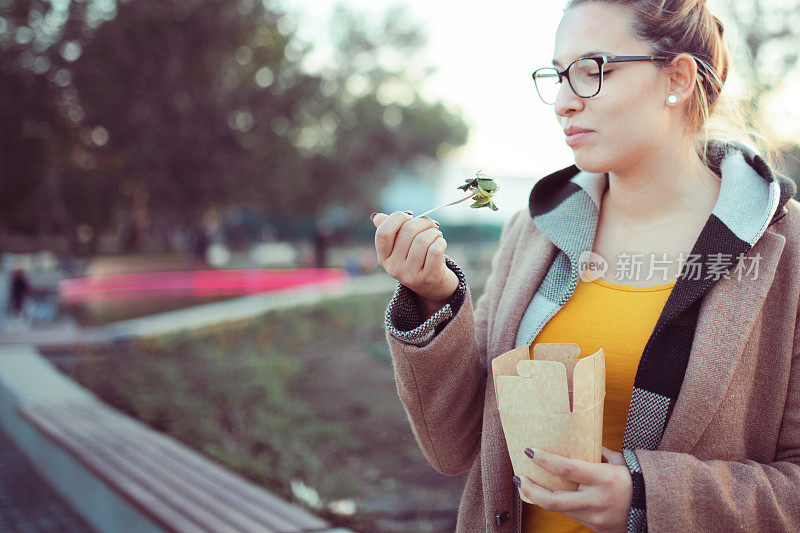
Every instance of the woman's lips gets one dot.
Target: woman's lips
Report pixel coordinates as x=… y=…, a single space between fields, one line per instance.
x=577 y=137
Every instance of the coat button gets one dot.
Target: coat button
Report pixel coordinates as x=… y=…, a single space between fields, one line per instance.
x=501 y=518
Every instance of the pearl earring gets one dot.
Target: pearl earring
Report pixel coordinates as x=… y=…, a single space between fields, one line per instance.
x=672 y=99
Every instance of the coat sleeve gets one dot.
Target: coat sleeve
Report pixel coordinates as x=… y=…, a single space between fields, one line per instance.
x=684 y=493
x=442 y=383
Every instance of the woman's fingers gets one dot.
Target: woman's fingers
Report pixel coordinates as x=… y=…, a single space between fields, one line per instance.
x=434 y=259
x=406 y=235
x=575 y=470
x=377 y=218
x=418 y=251
x=551 y=500
x=386 y=234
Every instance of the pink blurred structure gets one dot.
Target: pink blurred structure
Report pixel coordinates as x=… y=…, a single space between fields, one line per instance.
x=194 y=283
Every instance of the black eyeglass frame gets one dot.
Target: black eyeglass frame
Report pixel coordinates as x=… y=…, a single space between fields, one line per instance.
x=601 y=60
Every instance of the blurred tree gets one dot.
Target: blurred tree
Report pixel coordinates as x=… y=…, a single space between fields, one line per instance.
x=178 y=85
x=148 y=113
x=36 y=108
x=373 y=117
x=769 y=31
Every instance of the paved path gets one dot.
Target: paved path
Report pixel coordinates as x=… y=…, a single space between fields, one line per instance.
x=66 y=335
x=27 y=503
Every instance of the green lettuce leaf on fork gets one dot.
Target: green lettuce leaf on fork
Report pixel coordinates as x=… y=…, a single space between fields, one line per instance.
x=484 y=188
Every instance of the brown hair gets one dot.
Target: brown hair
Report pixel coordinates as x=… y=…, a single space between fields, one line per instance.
x=673 y=27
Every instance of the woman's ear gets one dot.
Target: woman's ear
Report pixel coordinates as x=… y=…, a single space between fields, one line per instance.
x=681 y=79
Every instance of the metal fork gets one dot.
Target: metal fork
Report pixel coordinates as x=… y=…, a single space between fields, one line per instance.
x=429 y=211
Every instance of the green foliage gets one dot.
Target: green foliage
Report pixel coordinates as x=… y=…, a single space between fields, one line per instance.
x=156 y=110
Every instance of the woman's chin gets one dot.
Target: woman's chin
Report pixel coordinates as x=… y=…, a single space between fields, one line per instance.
x=587 y=163
x=590 y=161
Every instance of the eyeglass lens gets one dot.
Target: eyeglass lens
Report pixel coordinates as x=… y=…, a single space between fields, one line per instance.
x=583 y=76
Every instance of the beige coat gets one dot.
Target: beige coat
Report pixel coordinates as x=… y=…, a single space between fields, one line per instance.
x=729 y=459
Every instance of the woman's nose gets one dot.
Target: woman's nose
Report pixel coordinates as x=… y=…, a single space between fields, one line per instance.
x=567 y=102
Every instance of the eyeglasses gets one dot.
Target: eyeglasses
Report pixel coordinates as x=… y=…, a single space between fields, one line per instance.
x=585 y=76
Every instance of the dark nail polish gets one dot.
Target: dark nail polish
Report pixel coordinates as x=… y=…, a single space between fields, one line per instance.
x=517 y=481
x=437 y=224
x=409 y=213
x=372 y=216
x=529 y=452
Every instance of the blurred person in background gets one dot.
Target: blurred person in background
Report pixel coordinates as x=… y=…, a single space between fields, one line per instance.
x=701 y=427
x=19 y=290
x=321 y=241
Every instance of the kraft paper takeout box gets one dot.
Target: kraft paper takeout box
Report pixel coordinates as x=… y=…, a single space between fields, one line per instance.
x=535 y=386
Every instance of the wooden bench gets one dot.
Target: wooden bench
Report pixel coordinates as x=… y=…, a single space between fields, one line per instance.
x=175 y=487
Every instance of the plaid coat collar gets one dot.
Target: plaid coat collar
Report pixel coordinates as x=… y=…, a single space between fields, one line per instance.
x=752 y=197
x=565 y=206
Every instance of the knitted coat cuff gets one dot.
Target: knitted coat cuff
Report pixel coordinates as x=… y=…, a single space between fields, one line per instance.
x=403 y=317
x=637 y=518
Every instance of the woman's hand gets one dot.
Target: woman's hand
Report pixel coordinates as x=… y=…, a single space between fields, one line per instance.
x=603 y=498
x=411 y=250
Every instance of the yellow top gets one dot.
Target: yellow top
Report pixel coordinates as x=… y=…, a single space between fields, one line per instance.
x=619 y=319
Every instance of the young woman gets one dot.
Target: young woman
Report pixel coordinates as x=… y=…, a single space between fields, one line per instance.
x=702 y=413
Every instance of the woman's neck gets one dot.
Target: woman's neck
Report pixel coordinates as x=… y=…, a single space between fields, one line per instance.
x=671 y=183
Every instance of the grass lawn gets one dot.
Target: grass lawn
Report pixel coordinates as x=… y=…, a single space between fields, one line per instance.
x=306 y=394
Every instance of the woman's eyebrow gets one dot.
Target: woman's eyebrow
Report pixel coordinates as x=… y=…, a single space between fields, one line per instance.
x=587 y=54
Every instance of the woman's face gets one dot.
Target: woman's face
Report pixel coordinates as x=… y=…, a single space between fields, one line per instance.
x=628 y=117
